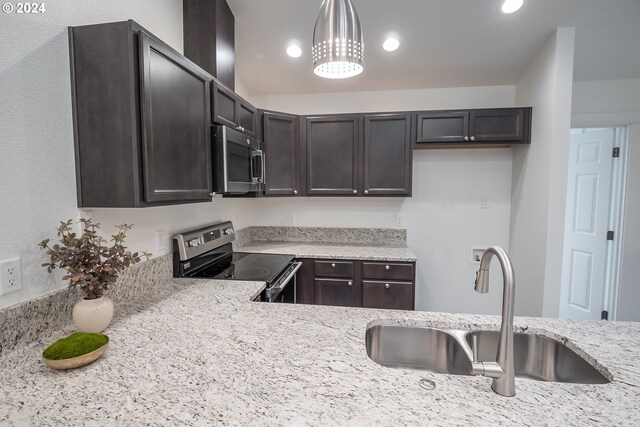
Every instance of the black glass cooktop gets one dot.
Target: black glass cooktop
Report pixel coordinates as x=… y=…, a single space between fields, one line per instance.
x=246 y=266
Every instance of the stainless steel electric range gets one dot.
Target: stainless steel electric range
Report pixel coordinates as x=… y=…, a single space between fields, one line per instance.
x=207 y=253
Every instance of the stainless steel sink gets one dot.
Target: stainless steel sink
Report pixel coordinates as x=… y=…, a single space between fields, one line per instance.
x=540 y=358
x=450 y=352
x=417 y=348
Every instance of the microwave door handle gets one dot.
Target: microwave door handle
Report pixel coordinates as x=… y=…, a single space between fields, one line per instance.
x=263 y=173
x=254 y=178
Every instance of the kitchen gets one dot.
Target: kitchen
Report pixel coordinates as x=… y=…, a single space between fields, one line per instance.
x=329 y=378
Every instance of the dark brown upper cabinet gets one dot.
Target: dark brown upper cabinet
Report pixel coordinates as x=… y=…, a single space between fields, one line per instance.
x=231 y=110
x=209 y=39
x=442 y=126
x=388 y=155
x=495 y=126
x=281 y=137
x=499 y=125
x=332 y=153
x=141 y=119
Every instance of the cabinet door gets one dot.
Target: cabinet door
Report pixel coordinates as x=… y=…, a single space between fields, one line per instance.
x=497 y=125
x=225 y=105
x=247 y=118
x=334 y=292
x=388 y=155
x=175 y=125
x=305 y=283
x=385 y=294
x=281 y=145
x=332 y=145
x=442 y=127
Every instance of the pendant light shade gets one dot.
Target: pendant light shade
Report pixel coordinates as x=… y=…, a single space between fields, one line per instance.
x=338 y=45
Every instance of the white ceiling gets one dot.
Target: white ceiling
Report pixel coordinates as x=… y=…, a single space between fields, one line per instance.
x=444 y=43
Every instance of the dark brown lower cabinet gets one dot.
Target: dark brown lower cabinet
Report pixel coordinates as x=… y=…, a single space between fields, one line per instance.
x=391 y=295
x=357 y=284
x=334 y=292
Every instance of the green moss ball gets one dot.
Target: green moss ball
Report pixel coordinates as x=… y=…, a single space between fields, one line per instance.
x=74 y=345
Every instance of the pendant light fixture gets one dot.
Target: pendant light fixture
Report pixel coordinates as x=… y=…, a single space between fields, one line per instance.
x=338 y=45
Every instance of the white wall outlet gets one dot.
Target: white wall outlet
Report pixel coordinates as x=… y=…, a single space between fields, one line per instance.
x=291 y=218
x=161 y=241
x=484 y=202
x=399 y=221
x=10 y=276
x=476 y=254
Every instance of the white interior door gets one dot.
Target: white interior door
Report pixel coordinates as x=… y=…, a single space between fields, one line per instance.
x=586 y=223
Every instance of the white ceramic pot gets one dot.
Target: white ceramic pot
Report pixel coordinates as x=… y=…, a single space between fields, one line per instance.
x=93 y=315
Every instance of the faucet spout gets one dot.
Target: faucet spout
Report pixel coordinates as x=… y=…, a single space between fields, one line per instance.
x=502 y=372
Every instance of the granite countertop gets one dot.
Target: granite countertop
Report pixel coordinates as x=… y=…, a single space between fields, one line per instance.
x=200 y=352
x=333 y=251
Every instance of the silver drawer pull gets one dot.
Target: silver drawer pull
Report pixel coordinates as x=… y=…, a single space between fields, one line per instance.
x=386 y=286
x=350 y=283
x=386 y=267
x=333 y=266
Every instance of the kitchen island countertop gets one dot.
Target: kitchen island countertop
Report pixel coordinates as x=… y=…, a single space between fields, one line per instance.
x=200 y=352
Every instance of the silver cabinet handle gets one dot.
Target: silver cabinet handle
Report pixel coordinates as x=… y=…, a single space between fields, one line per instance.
x=295 y=191
x=333 y=266
x=366 y=192
x=386 y=267
x=350 y=283
x=473 y=138
x=466 y=138
x=386 y=286
x=355 y=191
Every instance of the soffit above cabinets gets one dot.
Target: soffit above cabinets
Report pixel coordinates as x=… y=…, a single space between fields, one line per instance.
x=443 y=43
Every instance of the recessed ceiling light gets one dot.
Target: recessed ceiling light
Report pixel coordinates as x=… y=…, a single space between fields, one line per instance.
x=510 y=6
x=391 y=44
x=294 y=51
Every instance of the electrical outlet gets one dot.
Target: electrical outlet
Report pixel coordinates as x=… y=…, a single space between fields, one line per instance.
x=399 y=221
x=10 y=276
x=161 y=241
x=484 y=202
x=476 y=254
x=291 y=218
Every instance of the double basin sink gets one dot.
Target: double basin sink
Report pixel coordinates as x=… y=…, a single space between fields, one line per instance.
x=449 y=351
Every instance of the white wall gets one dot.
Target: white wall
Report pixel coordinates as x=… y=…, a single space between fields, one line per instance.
x=539 y=177
x=615 y=103
x=37 y=177
x=443 y=218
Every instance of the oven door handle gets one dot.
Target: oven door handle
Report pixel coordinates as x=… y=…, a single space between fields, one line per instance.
x=275 y=290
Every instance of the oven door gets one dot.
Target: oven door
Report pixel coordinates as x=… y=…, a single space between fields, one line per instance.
x=243 y=163
x=283 y=289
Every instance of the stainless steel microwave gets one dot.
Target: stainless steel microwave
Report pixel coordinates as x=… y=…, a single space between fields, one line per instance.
x=238 y=162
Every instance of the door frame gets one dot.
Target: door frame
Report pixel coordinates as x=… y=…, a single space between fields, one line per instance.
x=622 y=124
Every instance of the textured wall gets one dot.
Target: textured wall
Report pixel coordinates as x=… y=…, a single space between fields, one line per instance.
x=37 y=176
x=539 y=177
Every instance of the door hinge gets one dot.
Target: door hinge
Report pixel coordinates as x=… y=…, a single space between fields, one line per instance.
x=609 y=235
x=616 y=152
x=604 y=315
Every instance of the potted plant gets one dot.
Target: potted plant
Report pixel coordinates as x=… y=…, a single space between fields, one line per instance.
x=92 y=265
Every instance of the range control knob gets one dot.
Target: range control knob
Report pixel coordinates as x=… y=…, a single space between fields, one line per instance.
x=228 y=231
x=195 y=242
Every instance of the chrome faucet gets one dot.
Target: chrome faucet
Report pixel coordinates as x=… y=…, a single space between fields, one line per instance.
x=502 y=372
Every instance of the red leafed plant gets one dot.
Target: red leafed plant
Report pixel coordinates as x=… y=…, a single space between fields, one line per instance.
x=89 y=262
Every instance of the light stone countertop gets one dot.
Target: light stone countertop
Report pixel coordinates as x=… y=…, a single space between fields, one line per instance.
x=333 y=251
x=199 y=352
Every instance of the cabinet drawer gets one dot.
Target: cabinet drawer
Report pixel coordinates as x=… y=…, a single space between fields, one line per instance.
x=390 y=295
x=334 y=292
x=334 y=268
x=387 y=271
